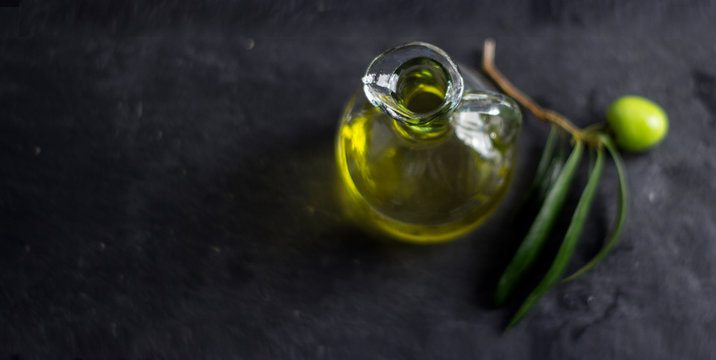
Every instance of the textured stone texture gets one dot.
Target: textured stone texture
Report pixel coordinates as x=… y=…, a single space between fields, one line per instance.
x=167 y=170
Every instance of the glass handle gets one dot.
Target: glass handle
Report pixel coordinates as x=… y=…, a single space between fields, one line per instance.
x=487 y=120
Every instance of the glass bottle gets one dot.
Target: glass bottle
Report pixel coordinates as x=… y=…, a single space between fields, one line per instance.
x=425 y=151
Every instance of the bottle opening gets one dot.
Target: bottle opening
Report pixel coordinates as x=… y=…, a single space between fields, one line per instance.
x=422 y=84
x=413 y=83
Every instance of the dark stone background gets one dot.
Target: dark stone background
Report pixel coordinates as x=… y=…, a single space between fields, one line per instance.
x=166 y=175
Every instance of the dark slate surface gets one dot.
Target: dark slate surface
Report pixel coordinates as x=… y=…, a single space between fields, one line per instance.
x=166 y=175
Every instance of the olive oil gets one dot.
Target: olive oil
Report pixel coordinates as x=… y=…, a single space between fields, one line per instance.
x=421 y=86
x=425 y=194
x=425 y=178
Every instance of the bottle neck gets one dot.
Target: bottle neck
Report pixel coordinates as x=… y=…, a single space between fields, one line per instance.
x=416 y=84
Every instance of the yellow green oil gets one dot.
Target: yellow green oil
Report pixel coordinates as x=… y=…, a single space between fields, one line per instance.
x=415 y=181
x=422 y=86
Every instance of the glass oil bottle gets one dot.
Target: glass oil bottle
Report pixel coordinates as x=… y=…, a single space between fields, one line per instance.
x=425 y=151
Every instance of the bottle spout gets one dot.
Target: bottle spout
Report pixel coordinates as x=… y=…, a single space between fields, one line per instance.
x=414 y=83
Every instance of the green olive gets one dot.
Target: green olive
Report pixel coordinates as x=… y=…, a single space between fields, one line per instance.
x=637 y=122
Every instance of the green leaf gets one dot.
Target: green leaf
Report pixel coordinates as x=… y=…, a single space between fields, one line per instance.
x=554 y=169
x=568 y=244
x=550 y=163
x=535 y=238
x=616 y=230
x=547 y=157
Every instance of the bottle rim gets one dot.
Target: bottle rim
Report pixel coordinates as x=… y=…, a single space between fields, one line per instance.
x=383 y=77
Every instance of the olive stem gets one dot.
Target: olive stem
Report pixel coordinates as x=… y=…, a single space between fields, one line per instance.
x=488 y=65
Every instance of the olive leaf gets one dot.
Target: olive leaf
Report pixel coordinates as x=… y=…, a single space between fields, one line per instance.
x=568 y=244
x=555 y=167
x=534 y=240
x=546 y=159
x=616 y=230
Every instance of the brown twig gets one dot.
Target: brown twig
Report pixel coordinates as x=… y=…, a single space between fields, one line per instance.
x=488 y=65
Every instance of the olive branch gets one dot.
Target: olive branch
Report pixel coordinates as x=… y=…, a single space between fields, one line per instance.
x=551 y=184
